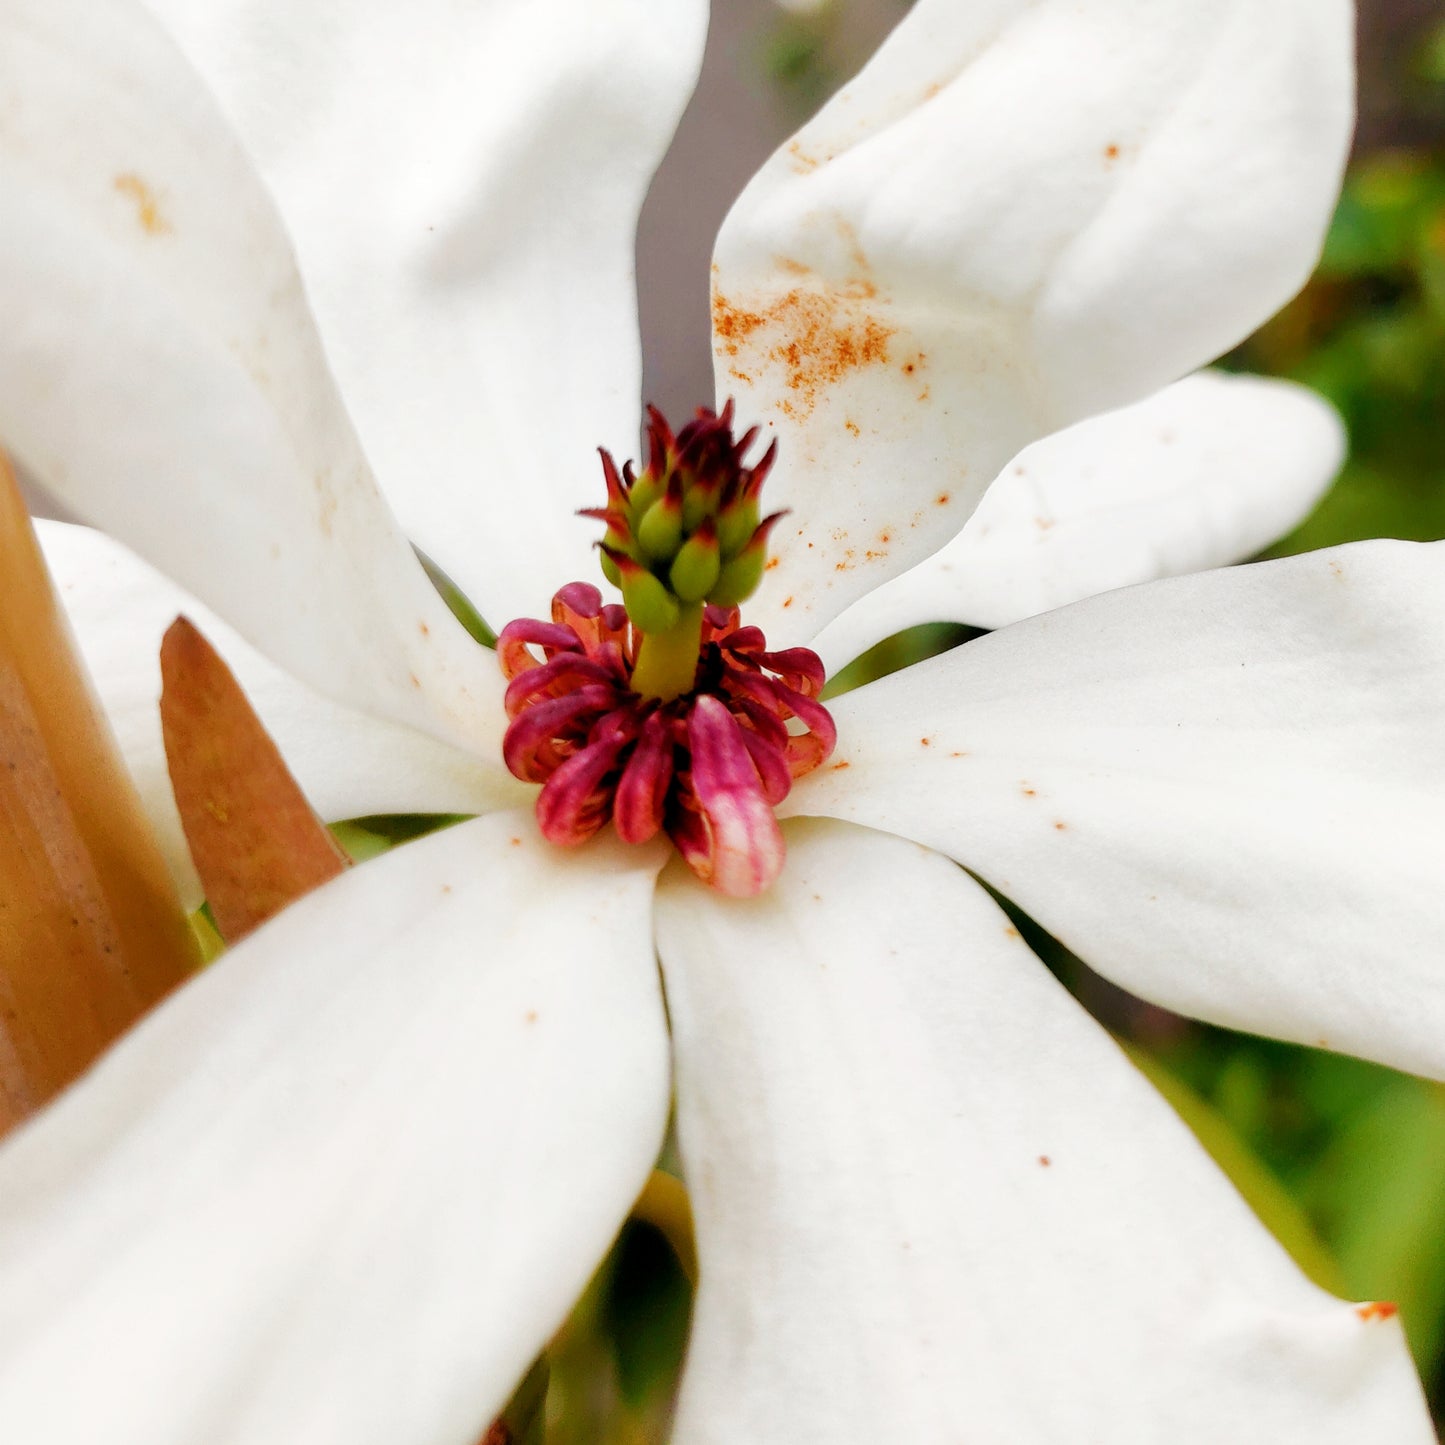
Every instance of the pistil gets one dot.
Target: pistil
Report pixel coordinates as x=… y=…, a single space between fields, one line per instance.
x=667 y=661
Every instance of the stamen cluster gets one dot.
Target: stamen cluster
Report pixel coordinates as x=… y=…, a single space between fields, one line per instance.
x=706 y=767
x=688 y=529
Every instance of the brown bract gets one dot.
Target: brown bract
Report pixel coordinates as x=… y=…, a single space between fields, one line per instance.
x=254 y=838
x=91 y=932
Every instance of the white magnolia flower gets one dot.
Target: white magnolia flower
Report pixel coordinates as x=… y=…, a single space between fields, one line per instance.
x=344 y=1186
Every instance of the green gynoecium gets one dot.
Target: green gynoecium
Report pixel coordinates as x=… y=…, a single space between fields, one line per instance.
x=688 y=529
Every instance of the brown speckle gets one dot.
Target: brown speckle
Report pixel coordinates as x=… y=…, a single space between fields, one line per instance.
x=815 y=335
x=1111 y=152
x=446 y=887
x=959 y=754
x=1044 y=1161
x=516 y=842
x=839 y=766
x=1061 y=827
x=531 y=1016
x=941 y=500
x=1027 y=791
x=852 y=427
x=424 y=629
x=326 y=501
x=1012 y=932
x=415 y=680
x=802 y=161
x=788 y=601
x=925 y=742
x=771 y=563
x=147 y=204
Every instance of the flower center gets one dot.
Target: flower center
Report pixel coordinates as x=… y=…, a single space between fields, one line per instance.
x=666 y=714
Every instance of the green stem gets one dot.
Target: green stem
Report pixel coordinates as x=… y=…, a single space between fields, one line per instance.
x=667 y=661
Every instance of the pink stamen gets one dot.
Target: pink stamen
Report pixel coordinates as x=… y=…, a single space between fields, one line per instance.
x=707 y=768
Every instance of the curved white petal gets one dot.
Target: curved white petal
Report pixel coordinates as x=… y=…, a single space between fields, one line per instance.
x=160 y=373
x=1226 y=791
x=1021 y=213
x=1206 y=472
x=462 y=184
x=348 y=764
x=342 y=1187
x=934 y=1202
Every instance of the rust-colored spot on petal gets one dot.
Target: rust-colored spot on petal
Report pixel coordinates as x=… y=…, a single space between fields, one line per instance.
x=1111 y=152
x=147 y=205
x=1377 y=1310
x=1044 y=1161
x=254 y=839
x=1062 y=827
x=815 y=335
x=802 y=161
x=840 y=765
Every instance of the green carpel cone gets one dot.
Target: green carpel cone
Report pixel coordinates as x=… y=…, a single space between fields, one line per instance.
x=687 y=530
x=735 y=527
x=649 y=604
x=739 y=579
x=697 y=565
x=659 y=533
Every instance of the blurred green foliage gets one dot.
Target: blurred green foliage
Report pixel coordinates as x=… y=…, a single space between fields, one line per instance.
x=1369 y=332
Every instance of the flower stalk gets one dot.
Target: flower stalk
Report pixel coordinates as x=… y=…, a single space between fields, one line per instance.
x=667 y=661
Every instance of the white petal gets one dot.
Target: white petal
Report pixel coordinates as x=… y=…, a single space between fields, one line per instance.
x=462 y=183
x=934 y=1202
x=1226 y=791
x=1022 y=213
x=348 y=764
x=1206 y=472
x=160 y=373
x=342 y=1187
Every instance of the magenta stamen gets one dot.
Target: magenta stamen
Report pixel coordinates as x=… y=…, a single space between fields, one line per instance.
x=708 y=768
